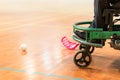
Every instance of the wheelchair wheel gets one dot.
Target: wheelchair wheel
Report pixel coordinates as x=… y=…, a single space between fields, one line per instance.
x=82 y=59
x=84 y=46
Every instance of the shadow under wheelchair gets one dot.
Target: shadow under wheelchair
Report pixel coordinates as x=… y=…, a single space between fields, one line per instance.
x=105 y=63
x=116 y=64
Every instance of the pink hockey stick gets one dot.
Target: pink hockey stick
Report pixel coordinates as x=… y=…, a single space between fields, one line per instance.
x=68 y=44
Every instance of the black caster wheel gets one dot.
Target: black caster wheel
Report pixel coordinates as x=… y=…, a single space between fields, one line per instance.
x=92 y=48
x=82 y=59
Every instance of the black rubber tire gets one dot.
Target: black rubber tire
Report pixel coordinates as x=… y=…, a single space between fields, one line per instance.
x=82 y=62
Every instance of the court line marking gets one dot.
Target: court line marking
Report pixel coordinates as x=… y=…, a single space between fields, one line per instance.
x=40 y=73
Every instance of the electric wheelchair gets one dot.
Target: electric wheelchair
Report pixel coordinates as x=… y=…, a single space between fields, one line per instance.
x=90 y=38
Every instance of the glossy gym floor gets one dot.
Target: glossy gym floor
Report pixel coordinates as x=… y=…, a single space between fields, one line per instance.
x=40 y=25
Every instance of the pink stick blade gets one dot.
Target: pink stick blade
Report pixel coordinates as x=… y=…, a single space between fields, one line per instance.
x=68 y=44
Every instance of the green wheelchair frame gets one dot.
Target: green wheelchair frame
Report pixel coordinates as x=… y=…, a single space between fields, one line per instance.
x=87 y=44
x=83 y=57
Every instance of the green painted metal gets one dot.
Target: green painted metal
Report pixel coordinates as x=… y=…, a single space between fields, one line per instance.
x=87 y=29
x=103 y=34
x=86 y=42
x=92 y=33
x=78 y=27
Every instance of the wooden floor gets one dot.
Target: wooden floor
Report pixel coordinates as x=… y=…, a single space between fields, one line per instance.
x=46 y=57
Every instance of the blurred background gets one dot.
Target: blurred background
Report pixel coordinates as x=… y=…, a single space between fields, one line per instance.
x=62 y=6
